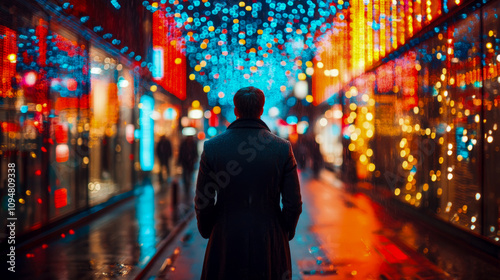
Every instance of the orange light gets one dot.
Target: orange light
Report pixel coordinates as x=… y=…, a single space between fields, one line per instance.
x=216 y=110
x=201 y=135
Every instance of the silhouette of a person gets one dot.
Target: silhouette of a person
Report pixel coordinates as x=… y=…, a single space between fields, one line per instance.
x=244 y=172
x=188 y=155
x=164 y=153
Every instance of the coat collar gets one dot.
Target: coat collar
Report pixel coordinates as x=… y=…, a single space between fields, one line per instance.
x=248 y=123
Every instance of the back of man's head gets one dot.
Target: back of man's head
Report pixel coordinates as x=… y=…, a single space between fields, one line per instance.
x=249 y=102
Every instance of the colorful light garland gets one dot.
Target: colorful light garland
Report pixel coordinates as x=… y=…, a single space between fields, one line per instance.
x=265 y=44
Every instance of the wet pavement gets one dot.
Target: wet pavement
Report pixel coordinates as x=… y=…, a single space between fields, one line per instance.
x=340 y=235
x=346 y=236
x=116 y=245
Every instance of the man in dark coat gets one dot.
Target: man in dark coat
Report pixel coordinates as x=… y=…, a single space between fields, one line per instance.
x=243 y=173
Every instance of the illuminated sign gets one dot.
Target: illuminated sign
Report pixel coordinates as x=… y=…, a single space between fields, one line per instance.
x=188 y=131
x=62 y=153
x=146 y=149
x=169 y=58
x=195 y=114
x=158 y=63
x=61 y=133
x=60 y=198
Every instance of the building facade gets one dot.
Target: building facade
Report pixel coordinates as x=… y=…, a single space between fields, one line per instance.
x=73 y=77
x=422 y=124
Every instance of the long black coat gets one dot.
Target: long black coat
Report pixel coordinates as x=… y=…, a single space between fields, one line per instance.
x=243 y=172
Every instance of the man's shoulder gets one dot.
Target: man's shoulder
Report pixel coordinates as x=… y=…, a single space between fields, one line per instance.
x=216 y=140
x=263 y=135
x=278 y=140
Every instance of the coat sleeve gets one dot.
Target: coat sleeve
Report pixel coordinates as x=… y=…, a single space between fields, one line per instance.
x=290 y=194
x=205 y=197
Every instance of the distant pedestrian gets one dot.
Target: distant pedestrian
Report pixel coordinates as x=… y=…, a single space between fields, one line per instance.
x=300 y=152
x=317 y=161
x=244 y=172
x=164 y=154
x=188 y=155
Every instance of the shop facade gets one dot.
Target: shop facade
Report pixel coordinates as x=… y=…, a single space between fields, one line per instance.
x=69 y=116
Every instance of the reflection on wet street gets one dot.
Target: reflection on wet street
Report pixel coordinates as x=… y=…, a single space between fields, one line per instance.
x=118 y=244
x=347 y=236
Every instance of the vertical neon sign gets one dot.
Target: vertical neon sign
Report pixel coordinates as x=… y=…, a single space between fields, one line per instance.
x=169 y=54
x=158 y=63
x=146 y=133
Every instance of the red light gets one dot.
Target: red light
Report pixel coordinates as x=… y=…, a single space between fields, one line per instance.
x=30 y=79
x=71 y=231
x=38 y=172
x=213 y=120
x=36 y=226
x=129 y=133
x=30 y=255
x=41 y=33
x=131 y=157
x=60 y=197
x=62 y=153
x=396 y=252
x=44 y=150
x=39 y=201
x=9 y=47
x=71 y=84
x=174 y=78
x=45 y=246
x=201 y=135
x=385 y=77
x=63 y=235
x=61 y=132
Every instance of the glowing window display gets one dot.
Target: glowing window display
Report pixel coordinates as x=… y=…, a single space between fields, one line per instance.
x=146 y=150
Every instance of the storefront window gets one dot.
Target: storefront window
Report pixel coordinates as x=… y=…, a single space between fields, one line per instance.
x=460 y=116
x=67 y=61
x=387 y=133
x=329 y=130
x=428 y=108
x=491 y=109
x=427 y=149
x=166 y=120
x=111 y=102
x=125 y=128
x=361 y=126
x=23 y=109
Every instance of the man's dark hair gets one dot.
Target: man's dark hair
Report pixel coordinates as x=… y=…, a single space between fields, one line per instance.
x=249 y=101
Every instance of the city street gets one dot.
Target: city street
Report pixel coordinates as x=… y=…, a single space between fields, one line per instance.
x=119 y=118
x=345 y=236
